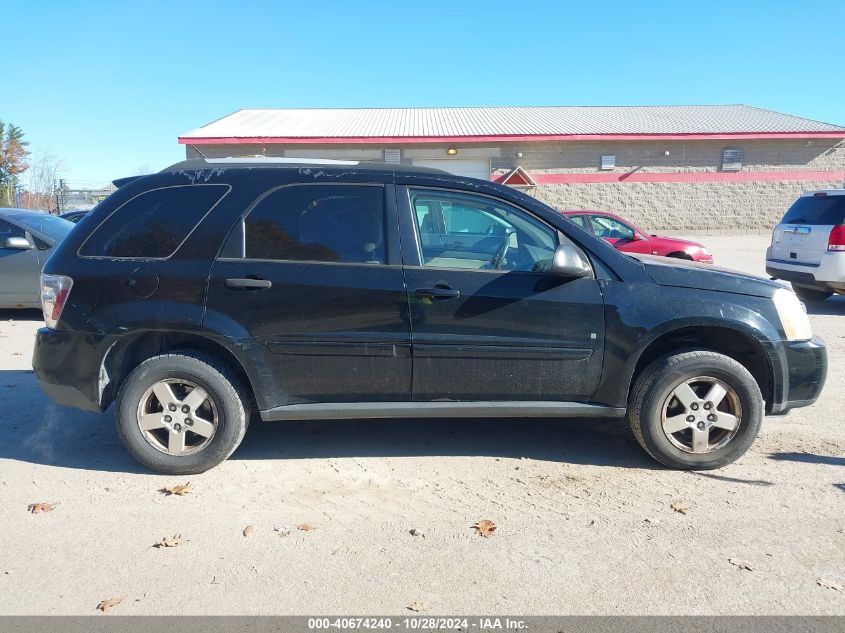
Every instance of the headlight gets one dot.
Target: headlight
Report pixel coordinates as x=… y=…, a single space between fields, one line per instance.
x=793 y=316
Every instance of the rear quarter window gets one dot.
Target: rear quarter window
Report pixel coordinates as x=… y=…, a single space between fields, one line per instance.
x=821 y=210
x=154 y=224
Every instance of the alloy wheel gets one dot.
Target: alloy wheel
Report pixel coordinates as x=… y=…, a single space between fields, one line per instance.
x=701 y=415
x=177 y=417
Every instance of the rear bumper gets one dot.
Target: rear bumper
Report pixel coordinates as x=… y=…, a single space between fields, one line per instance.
x=803 y=371
x=828 y=273
x=67 y=365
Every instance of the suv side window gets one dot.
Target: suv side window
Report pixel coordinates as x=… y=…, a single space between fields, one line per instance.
x=153 y=225
x=607 y=227
x=467 y=231
x=322 y=223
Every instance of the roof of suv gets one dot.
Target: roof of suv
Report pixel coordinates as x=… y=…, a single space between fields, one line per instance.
x=293 y=163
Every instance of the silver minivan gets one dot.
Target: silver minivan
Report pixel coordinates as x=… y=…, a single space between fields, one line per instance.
x=808 y=246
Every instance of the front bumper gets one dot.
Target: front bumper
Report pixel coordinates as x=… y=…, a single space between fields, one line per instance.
x=68 y=367
x=803 y=371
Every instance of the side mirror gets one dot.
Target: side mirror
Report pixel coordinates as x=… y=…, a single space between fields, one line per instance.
x=569 y=262
x=17 y=243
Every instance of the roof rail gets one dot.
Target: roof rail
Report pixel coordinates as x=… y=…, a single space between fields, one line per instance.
x=281 y=161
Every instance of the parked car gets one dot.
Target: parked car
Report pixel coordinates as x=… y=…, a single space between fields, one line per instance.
x=625 y=236
x=808 y=246
x=26 y=240
x=74 y=216
x=294 y=290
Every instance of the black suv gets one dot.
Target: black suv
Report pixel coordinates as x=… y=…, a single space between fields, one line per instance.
x=219 y=290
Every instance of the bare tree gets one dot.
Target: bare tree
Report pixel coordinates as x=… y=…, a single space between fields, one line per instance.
x=44 y=173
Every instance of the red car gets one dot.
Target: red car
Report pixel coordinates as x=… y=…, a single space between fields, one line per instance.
x=627 y=237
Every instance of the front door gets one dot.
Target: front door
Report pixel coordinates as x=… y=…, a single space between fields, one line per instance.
x=487 y=322
x=313 y=274
x=621 y=236
x=20 y=269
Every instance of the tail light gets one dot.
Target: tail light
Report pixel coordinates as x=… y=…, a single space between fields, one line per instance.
x=54 y=293
x=836 y=241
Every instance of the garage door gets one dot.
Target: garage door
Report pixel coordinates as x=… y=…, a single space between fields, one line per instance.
x=472 y=168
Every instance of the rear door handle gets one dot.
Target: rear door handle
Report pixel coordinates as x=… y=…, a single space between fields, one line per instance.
x=438 y=293
x=248 y=284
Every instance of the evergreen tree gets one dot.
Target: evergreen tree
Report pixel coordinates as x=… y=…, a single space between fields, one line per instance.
x=13 y=161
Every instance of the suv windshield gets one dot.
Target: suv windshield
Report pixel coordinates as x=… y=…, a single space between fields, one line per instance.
x=51 y=226
x=823 y=210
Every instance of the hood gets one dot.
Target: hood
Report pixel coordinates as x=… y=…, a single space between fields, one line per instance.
x=675 y=240
x=682 y=273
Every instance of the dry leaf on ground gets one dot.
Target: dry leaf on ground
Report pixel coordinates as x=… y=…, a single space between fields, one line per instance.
x=829 y=584
x=678 y=506
x=38 y=508
x=180 y=490
x=415 y=606
x=108 y=603
x=485 y=527
x=739 y=564
x=248 y=530
x=305 y=527
x=170 y=541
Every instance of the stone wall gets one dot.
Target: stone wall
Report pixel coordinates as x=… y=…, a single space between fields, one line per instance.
x=709 y=207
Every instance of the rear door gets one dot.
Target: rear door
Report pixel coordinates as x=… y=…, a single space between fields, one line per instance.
x=487 y=322
x=803 y=234
x=313 y=274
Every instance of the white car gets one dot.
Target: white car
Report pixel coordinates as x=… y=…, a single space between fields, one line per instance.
x=808 y=246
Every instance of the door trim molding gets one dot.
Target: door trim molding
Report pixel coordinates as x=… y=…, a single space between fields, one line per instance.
x=440 y=408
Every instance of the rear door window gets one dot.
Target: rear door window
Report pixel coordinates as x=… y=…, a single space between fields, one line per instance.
x=318 y=223
x=154 y=224
x=820 y=210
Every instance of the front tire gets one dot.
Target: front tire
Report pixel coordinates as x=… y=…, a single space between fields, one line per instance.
x=811 y=294
x=696 y=410
x=181 y=413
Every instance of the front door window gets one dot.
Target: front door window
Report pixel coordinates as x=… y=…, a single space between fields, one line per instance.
x=477 y=233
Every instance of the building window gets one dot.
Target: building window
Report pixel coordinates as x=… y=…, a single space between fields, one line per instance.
x=608 y=162
x=392 y=156
x=732 y=158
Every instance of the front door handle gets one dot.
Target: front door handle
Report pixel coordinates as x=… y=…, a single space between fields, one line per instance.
x=438 y=292
x=248 y=283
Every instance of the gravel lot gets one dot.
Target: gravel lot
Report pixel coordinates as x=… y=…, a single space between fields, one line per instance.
x=585 y=523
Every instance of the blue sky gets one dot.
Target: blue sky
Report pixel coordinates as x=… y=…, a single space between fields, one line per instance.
x=108 y=86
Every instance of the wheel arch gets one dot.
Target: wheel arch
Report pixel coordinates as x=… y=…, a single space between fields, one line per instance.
x=733 y=342
x=130 y=351
x=679 y=255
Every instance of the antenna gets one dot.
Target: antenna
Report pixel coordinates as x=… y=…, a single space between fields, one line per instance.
x=197 y=150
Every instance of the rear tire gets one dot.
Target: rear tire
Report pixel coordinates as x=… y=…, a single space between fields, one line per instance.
x=170 y=431
x=672 y=408
x=811 y=294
